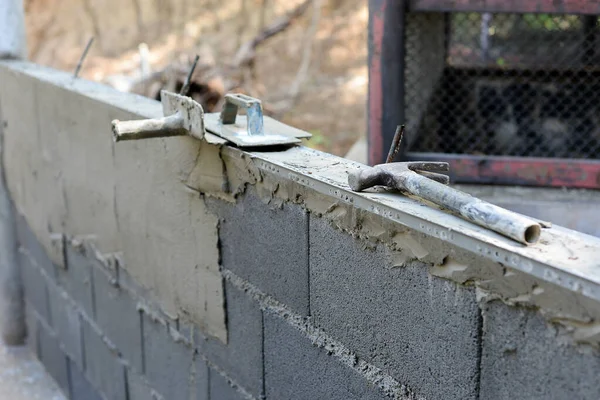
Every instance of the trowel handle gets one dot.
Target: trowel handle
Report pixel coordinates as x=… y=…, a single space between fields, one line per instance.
x=148 y=128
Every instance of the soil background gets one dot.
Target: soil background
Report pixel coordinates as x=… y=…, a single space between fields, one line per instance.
x=330 y=37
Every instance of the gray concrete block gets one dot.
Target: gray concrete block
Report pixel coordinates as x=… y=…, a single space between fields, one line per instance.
x=31 y=324
x=53 y=358
x=220 y=389
x=242 y=357
x=167 y=362
x=27 y=239
x=77 y=279
x=524 y=357
x=34 y=286
x=268 y=247
x=118 y=317
x=102 y=366
x=80 y=388
x=421 y=330
x=295 y=369
x=139 y=388
x=66 y=322
x=201 y=379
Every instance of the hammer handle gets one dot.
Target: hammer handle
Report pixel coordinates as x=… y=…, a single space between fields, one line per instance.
x=505 y=222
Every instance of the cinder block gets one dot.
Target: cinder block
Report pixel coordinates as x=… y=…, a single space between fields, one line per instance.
x=167 y=362
x=80 y=387
x=139 y=388
x=242 y=357
x=34 y=286
x=102 y=366
x=118 y=317
x=524 y=357
x=54 y=360
x=295 y=369
x=66 y=322
x=77 y=279
x=201 y=379
x=220 y=389
x=32 y=329
x=421 y=330
x=268 y=247
x=29 y=241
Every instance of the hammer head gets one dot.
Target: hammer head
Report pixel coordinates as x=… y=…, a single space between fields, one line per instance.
x=190 y=111
x=395 y=175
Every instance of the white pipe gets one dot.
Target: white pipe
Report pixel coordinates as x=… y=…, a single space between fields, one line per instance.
x=13 y=42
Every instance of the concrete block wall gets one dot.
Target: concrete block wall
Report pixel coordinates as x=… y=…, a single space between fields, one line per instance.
x=349 y=325
x=314 y=307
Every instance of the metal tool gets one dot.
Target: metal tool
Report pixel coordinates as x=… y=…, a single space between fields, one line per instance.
x=183 y=116
x=83 y=55
x=422 y=179
x=252 y=129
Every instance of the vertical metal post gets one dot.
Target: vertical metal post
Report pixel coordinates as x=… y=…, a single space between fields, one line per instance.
x=12 y=30
x=386 y=108
x=12 y=310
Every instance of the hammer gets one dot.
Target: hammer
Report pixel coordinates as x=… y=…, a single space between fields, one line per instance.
x=421 y=179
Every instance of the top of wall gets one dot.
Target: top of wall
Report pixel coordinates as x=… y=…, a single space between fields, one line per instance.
x=562 y=257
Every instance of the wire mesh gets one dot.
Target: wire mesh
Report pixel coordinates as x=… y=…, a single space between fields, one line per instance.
x=503 y=84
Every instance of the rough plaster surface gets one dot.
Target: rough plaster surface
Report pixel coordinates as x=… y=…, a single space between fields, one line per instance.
x=268 y=246
x=524 y=357
x=66 y=178
x=295 y=369
x=334 y=348
x=421 y=330
x=562 y=267
x=242 y=357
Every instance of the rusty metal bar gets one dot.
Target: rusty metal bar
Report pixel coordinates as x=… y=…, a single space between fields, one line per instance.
x=589 y=7
x=386 y=75
x=499 y=170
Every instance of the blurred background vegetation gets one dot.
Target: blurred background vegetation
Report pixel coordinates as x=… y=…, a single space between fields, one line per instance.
x=311 y=75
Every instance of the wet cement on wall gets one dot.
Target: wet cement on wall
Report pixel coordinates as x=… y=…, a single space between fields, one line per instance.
x=68 y=178
x=157 y=187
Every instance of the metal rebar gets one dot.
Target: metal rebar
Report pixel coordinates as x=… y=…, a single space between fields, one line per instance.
x=395 y=144
x=83 y=55
x=186 y=86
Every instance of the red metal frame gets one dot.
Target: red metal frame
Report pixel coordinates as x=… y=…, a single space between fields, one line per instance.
x=523 y=171
x=375 y=89
x=386 y=98
x=590 y=7
x=386 y=83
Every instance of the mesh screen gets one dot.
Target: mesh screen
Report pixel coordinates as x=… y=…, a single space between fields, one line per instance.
x=503 y=84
